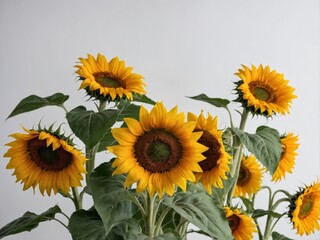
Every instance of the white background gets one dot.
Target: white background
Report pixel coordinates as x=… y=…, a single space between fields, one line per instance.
x=182 y=48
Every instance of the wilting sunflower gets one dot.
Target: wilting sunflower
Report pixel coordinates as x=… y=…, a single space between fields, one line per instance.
x=305 y=210
x=109 y=80
x=159 y=151
x=241 y=225
x=215 y=166
x=263 y=91
x=45 y=159
x=290 y=145
x=250 y=177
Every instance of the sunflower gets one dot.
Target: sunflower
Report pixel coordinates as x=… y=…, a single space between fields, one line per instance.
x=109 y=80
x=215 y=166
x=305 y=209
x=241 y=225
x=290 y=145
x=45 y=159
x=250 y=177
x=263 y=91
x=158 y=152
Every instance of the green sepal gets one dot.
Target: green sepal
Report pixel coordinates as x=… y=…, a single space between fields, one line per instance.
x=89 y=126
x=217 y=102
x=264 y=144
x=202 y=211
x=86 y=225
x=278 y=236
x=111 y=199
x=28 y=222
x=34 y=102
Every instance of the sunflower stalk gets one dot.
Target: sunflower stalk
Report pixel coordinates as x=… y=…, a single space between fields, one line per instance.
x=151 y=214
x=77 y=200
x=235 y=167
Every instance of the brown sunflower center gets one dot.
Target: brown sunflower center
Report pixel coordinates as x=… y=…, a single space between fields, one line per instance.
x=212 y=155
x=234 y=222
x=244 y=176
x=261 y=91
x=105 y=80
x=47 y=158
x=158 y=150
x=306 y=206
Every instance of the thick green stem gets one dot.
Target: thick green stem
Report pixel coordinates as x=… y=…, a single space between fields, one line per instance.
x=76 y=198
x=237 y=156
x=150 y=216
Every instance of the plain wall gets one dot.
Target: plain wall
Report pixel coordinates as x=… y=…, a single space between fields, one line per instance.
x=181 y=47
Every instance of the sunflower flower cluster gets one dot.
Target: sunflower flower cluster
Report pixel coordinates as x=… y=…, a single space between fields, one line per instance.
x=164 y=169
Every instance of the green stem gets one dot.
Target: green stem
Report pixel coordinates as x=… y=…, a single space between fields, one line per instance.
x=76 y=198
x=160 y=220
x=61 y=223
x=237 y=156
x=150 y=216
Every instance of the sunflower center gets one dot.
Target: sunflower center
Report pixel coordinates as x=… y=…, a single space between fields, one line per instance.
x=106 y=80
x=261 y=91
x=234 y=222
x=244 y=176
x=306 y=206
x=212 y=155
x=47 y=158
x=158 y=150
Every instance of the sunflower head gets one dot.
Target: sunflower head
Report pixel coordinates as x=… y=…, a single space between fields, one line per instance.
x=250 y=177
x=108 y=80
x=263 y=92
x=241 y=225
x=45 y=158
x=159 y=151
x=304 y=209
x=286 y=164
x=215 y=165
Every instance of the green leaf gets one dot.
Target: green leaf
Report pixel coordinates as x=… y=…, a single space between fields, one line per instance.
x=28 y=222
x=128 y=110
x=260 y=213
x=86 y=225
x=170 y=235
x=111 y=199
x=89 y=126
x=220 y=193
x=278 y=236
x=34 y=102
x=143 y=99
x=202 y=211
x=264 y=144
x=248 y=204
x=218 y=102
x=107 y=140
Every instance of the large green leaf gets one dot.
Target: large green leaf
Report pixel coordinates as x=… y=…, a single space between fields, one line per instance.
x=218 y=102
x=89 y=126
x=278 y=236
x=264 y=144
x=128 y=110
x=86 y=225
x=111 y=199
x=28 y=222
x=202 y=211
x=34 y=102
x=107 y=140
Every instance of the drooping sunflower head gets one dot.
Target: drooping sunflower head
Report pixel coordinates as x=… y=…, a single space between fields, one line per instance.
x=305 y=209
x=47 y=159
x=109 y=81
x=286 y=164
x=264 y=92
x=250 y=177
x=242 y=226
x=159 y=151
x=215 y=165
